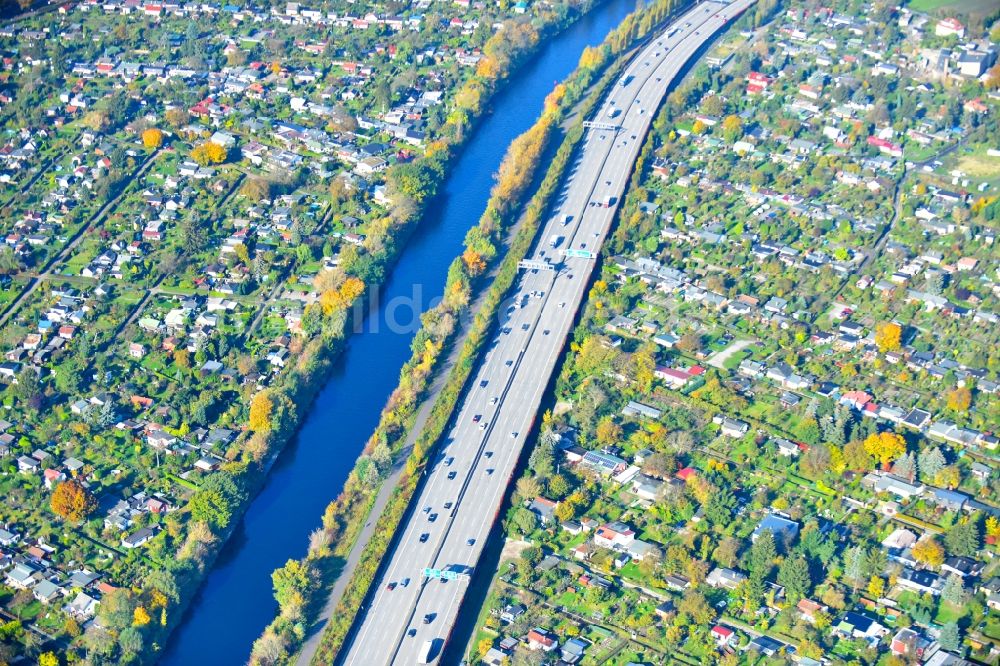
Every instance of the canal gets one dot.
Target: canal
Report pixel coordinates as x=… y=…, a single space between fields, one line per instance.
x=235 y=602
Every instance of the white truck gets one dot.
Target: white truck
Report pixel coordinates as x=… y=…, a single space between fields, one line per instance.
x=425 y=652
x=554 y=240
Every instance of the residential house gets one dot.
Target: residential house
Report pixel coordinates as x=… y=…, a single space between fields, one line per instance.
x=542 y=639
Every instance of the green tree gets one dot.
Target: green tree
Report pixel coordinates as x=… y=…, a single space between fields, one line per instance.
x=953 y=591
x=854 y=566
x=949 y=637
x=131 y=643
x=215 y=500
x=930 y=462
x=291 y=584
x=720 y=507
x=793 y=574
x=762 y=554
x=162 y=581
x=524 y=521
x=963 y=538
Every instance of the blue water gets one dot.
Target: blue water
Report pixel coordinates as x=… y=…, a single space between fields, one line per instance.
x=235 y=603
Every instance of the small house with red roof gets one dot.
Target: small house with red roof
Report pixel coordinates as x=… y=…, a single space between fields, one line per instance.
x=542 y=639
x=686 y=473
x=948 y=27
x=614 y=534
x=722 y=635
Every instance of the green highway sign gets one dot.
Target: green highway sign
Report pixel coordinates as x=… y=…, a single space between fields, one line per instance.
x=433 y=573
x=582 y=254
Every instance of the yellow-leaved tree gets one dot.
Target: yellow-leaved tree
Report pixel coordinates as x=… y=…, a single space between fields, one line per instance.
x=209 y=153
x=261 y=409
x=928 y=551
x=885 y=447
x=887 y=336
x=72 y=501
x=152 y=138
x=959 y=399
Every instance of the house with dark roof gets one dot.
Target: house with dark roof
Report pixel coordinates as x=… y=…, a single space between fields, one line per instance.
x=858 y=625
x=543 y=508
x=920 y=581
x=963 y=566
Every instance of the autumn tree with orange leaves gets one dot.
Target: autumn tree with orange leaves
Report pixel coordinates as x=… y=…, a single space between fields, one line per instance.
x=72 y=501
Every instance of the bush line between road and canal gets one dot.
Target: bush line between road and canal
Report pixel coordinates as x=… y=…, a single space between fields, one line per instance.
x=341 y=519
x=441 y=412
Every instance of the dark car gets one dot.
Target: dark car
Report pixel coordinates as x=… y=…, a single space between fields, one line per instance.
x=452 y=475
x=432 y=517
x=424 y=537
x=428 y=618
x=391 y=586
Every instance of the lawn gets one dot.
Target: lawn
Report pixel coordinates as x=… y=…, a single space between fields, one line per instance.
x=967 y=7
x=949 y=613
x=980 y=165
x=991 y=628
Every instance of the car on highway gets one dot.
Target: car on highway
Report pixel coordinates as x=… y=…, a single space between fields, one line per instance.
x=391 y=586
x=411 y=633
x=488 y=454
x=483 y=383
x=432 y=517
x=447 y=505
x=424 y=537
x=405 y=582
x=430 y=616
x=452 y=475
x=476 y=418
x=449 y=460
x=482 y=426
x=427 y=509
x=513 y=435
x=494 y=400
x=508 y=363
x=471 y=542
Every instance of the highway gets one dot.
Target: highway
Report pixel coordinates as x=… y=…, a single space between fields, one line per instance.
x=457 y=506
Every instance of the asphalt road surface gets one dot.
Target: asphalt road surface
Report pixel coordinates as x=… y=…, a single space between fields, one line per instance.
x=459 y=501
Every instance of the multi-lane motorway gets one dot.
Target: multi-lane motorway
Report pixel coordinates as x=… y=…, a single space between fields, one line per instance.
x=458 y=504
